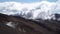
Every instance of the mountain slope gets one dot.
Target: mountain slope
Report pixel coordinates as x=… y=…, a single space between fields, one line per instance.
x=26 y=26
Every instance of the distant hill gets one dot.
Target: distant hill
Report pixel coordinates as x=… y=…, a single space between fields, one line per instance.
x=19 y=25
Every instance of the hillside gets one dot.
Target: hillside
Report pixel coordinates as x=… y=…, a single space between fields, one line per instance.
x=19 y=25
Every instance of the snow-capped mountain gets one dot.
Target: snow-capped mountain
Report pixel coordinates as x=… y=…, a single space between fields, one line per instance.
x=36 y=10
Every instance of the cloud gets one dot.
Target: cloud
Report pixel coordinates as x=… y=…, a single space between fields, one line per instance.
x=28 y=10
x=57 y=8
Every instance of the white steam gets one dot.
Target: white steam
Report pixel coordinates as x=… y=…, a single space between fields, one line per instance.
x=36 y=10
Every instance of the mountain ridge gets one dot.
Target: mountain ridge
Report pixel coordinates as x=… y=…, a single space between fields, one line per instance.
x=41 y=27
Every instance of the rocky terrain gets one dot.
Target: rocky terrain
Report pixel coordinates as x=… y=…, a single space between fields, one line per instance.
x=19 y=25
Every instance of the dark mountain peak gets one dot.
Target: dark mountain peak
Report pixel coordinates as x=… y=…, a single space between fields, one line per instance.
x=57 y=15
x=3 y=15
